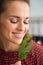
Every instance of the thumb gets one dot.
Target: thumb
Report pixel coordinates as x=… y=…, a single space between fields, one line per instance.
x=17 y=63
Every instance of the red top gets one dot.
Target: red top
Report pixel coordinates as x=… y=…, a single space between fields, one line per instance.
x=34 y=57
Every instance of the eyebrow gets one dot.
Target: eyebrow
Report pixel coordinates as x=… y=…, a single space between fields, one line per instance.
x=18 y=16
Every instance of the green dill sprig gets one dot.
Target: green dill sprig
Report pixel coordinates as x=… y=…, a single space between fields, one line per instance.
x=24 y=49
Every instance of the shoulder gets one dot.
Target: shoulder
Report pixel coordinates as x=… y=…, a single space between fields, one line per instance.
x=37 y=48
x=35 y=56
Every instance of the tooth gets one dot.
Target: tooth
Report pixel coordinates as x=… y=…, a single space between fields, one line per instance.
x=19 y=34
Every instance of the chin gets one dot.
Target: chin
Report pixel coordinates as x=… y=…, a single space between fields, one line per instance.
x=18 y=42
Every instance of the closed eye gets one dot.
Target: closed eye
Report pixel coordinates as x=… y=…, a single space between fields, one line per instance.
x=13 y=20
x=26 y=21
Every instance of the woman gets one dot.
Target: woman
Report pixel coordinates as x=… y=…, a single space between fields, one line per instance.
x=14 y=24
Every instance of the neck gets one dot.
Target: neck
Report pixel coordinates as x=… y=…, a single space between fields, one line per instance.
x=8 y=46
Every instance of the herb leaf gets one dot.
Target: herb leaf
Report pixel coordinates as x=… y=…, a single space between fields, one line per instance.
x=23 y=48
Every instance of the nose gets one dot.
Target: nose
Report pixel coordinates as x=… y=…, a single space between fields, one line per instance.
x=21 y=25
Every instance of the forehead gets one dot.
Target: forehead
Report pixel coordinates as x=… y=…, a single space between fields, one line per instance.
x=18 y=8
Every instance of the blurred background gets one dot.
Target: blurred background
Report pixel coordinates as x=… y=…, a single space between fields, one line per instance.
x=36 y=20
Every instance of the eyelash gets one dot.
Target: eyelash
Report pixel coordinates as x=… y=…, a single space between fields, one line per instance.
x=26 y=22
x=14 y=22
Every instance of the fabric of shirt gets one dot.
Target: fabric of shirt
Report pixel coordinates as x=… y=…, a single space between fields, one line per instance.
x=34 y=57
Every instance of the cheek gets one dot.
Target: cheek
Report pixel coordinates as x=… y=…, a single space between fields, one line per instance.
x=7 y=26
x=5 y=29
x=27 y=27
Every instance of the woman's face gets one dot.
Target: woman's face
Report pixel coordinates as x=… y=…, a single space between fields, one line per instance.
x=15 y=22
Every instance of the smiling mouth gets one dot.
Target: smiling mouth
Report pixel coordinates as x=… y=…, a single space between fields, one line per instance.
x=18 y=35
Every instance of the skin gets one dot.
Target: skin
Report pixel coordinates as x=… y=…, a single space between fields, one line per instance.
x=14 y=25
x=17 y=63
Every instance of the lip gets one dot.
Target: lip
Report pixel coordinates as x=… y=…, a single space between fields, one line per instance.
x=18 y=35
x=17 y=32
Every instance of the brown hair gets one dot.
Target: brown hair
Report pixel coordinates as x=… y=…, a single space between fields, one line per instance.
x=4 y=2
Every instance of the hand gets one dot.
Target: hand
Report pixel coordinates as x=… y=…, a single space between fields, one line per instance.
x=17 y=63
